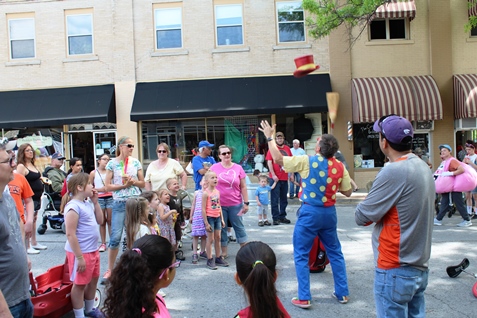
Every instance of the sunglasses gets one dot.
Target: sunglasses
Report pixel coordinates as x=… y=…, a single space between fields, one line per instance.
x=129 y=145
x=225 y=153
x=9 y=161
x=173 y=265
x=161 y=151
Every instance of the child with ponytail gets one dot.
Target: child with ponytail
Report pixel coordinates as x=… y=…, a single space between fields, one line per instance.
x=256 y=273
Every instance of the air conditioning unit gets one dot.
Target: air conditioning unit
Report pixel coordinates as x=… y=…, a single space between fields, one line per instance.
x=423 y=125
x=465 y=123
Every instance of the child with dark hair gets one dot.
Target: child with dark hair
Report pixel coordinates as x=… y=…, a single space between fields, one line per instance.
x=82 y=217
x=256 y=273
x=139 y=274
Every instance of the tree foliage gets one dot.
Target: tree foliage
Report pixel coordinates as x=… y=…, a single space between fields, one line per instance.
x=327 y=15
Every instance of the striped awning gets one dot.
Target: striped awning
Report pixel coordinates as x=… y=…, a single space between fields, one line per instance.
x=396 y=9
x=472 y=8
x=465 y=95
x=413 y=97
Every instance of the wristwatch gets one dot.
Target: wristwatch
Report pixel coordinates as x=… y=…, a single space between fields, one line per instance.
x=246 y=203
x=269 y=139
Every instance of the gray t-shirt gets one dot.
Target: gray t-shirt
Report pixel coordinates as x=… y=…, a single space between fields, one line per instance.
x=401 y=203
x=14 y=281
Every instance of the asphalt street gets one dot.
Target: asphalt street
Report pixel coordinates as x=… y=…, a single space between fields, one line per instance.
x=199 y=292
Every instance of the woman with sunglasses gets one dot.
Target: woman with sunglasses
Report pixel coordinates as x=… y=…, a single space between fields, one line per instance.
x=124 y=178
x=26 y=166
x=233 y=195
x=140 y=273
x=162 y=169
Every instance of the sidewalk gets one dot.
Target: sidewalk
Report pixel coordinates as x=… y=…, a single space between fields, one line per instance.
x=200 y=292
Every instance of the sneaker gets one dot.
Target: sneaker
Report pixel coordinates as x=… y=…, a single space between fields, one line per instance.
x=301 y=303
x=102 y=247
x=195 y=258
x=260 y=223
x=285 y=220
x=267 y=223
x=211 y=264
x=232 y=238
x=276 y=222
x=465 y=223
x=219 y=261
x=291 y=197
x=203 y=255
x=106 y=277
x=180 y=255
x=38 y=246
x=31 y=250
x=341 y=300
x=95 y=313
x=437 y=222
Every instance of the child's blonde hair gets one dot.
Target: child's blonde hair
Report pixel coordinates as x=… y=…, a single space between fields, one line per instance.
x=136 y=213
x=169 y=182
x=262 y=177
x=78 y=180
x=208 y=174
x=161 y=192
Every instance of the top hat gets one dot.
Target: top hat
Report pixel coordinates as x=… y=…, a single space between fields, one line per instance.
x=304 y=65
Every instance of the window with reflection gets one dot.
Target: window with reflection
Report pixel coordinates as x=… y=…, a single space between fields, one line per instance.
x=229 y=24
x=80 y=34
x=168 y=25
x=291 y=22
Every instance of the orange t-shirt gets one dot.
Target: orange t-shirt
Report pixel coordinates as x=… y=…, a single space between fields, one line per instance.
x=20 y=189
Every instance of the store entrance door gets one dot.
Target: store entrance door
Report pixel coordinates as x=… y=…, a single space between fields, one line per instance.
x=89 y=145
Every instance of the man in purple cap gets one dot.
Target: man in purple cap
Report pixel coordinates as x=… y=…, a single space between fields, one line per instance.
x=401 y=203
x=202 y=162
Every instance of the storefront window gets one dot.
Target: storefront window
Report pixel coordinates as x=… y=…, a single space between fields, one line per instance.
x=367 y=153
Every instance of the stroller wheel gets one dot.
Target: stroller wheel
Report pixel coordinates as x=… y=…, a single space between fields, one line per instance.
x=41 y=229
x=63 y=227
x=97 y=299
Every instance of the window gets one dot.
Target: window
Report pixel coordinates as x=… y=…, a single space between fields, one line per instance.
x=291 y=22
x=22 y=38
x=388 y=29
x=80 y=34
x=228 y=21
x=473 y=31
x=168 y=26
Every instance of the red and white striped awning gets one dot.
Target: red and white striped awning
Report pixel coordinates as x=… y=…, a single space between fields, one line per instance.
x=396 y=9
x=472 y=8
x=465 y=95
x=413 y=97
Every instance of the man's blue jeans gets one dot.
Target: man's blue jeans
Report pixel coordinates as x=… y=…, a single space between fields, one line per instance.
x=278 y=196
x=22 y=310
x=399 y=292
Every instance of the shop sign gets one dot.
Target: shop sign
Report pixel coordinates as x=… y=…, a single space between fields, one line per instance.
x=36 y=141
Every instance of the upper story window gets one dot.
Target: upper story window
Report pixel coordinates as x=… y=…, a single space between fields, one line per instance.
x=389 y=29
x=229 y=24
x=80 y=34
x=473 y=31
x=168 y=26
x=291 y=22
x=22 y=38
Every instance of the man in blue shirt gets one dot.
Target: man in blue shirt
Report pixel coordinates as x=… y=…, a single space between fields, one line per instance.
x=202 y=162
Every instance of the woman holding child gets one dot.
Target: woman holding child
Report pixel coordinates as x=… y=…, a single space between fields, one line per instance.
x=233 y=195
x=162 y=169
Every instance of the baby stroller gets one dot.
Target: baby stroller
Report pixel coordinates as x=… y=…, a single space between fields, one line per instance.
x=50 y=293
x=50 y=209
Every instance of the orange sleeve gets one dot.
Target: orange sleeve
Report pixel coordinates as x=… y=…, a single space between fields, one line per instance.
x=453 y=165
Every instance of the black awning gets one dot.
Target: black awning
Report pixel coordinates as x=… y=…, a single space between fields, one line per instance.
x=231 y=96
x=56 y=107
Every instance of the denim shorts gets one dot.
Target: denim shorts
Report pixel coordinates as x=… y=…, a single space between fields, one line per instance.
x=117 y=223
x=106 y=203
x=215 y=223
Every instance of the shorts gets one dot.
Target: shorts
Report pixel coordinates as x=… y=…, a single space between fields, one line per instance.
x=262 y=209
x=215 y=223
x=106 y=203
x=92 y=267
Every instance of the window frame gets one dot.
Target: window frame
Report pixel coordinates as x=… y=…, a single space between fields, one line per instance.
x=407 y=31
x=71 y=14
x=277 y=4
x=217 y=26
x=10 y=40
x=156 y=42
x=473 y=32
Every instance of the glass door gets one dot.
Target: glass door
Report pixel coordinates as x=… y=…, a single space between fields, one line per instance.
x=104 y=142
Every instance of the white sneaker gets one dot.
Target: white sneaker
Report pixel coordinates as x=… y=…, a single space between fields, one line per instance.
x=437 y=222
x=31 y=250
x=465 y=223
x=38 y=246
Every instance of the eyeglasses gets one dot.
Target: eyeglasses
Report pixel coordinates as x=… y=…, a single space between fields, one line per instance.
x=10 y=161
x=129 y=145
x=225 y=153
x=28 y=150
x=161 y=151
x=61 y=159
x=173 y=265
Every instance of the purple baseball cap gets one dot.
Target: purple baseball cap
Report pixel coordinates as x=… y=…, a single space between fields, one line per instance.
x=395 y=129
